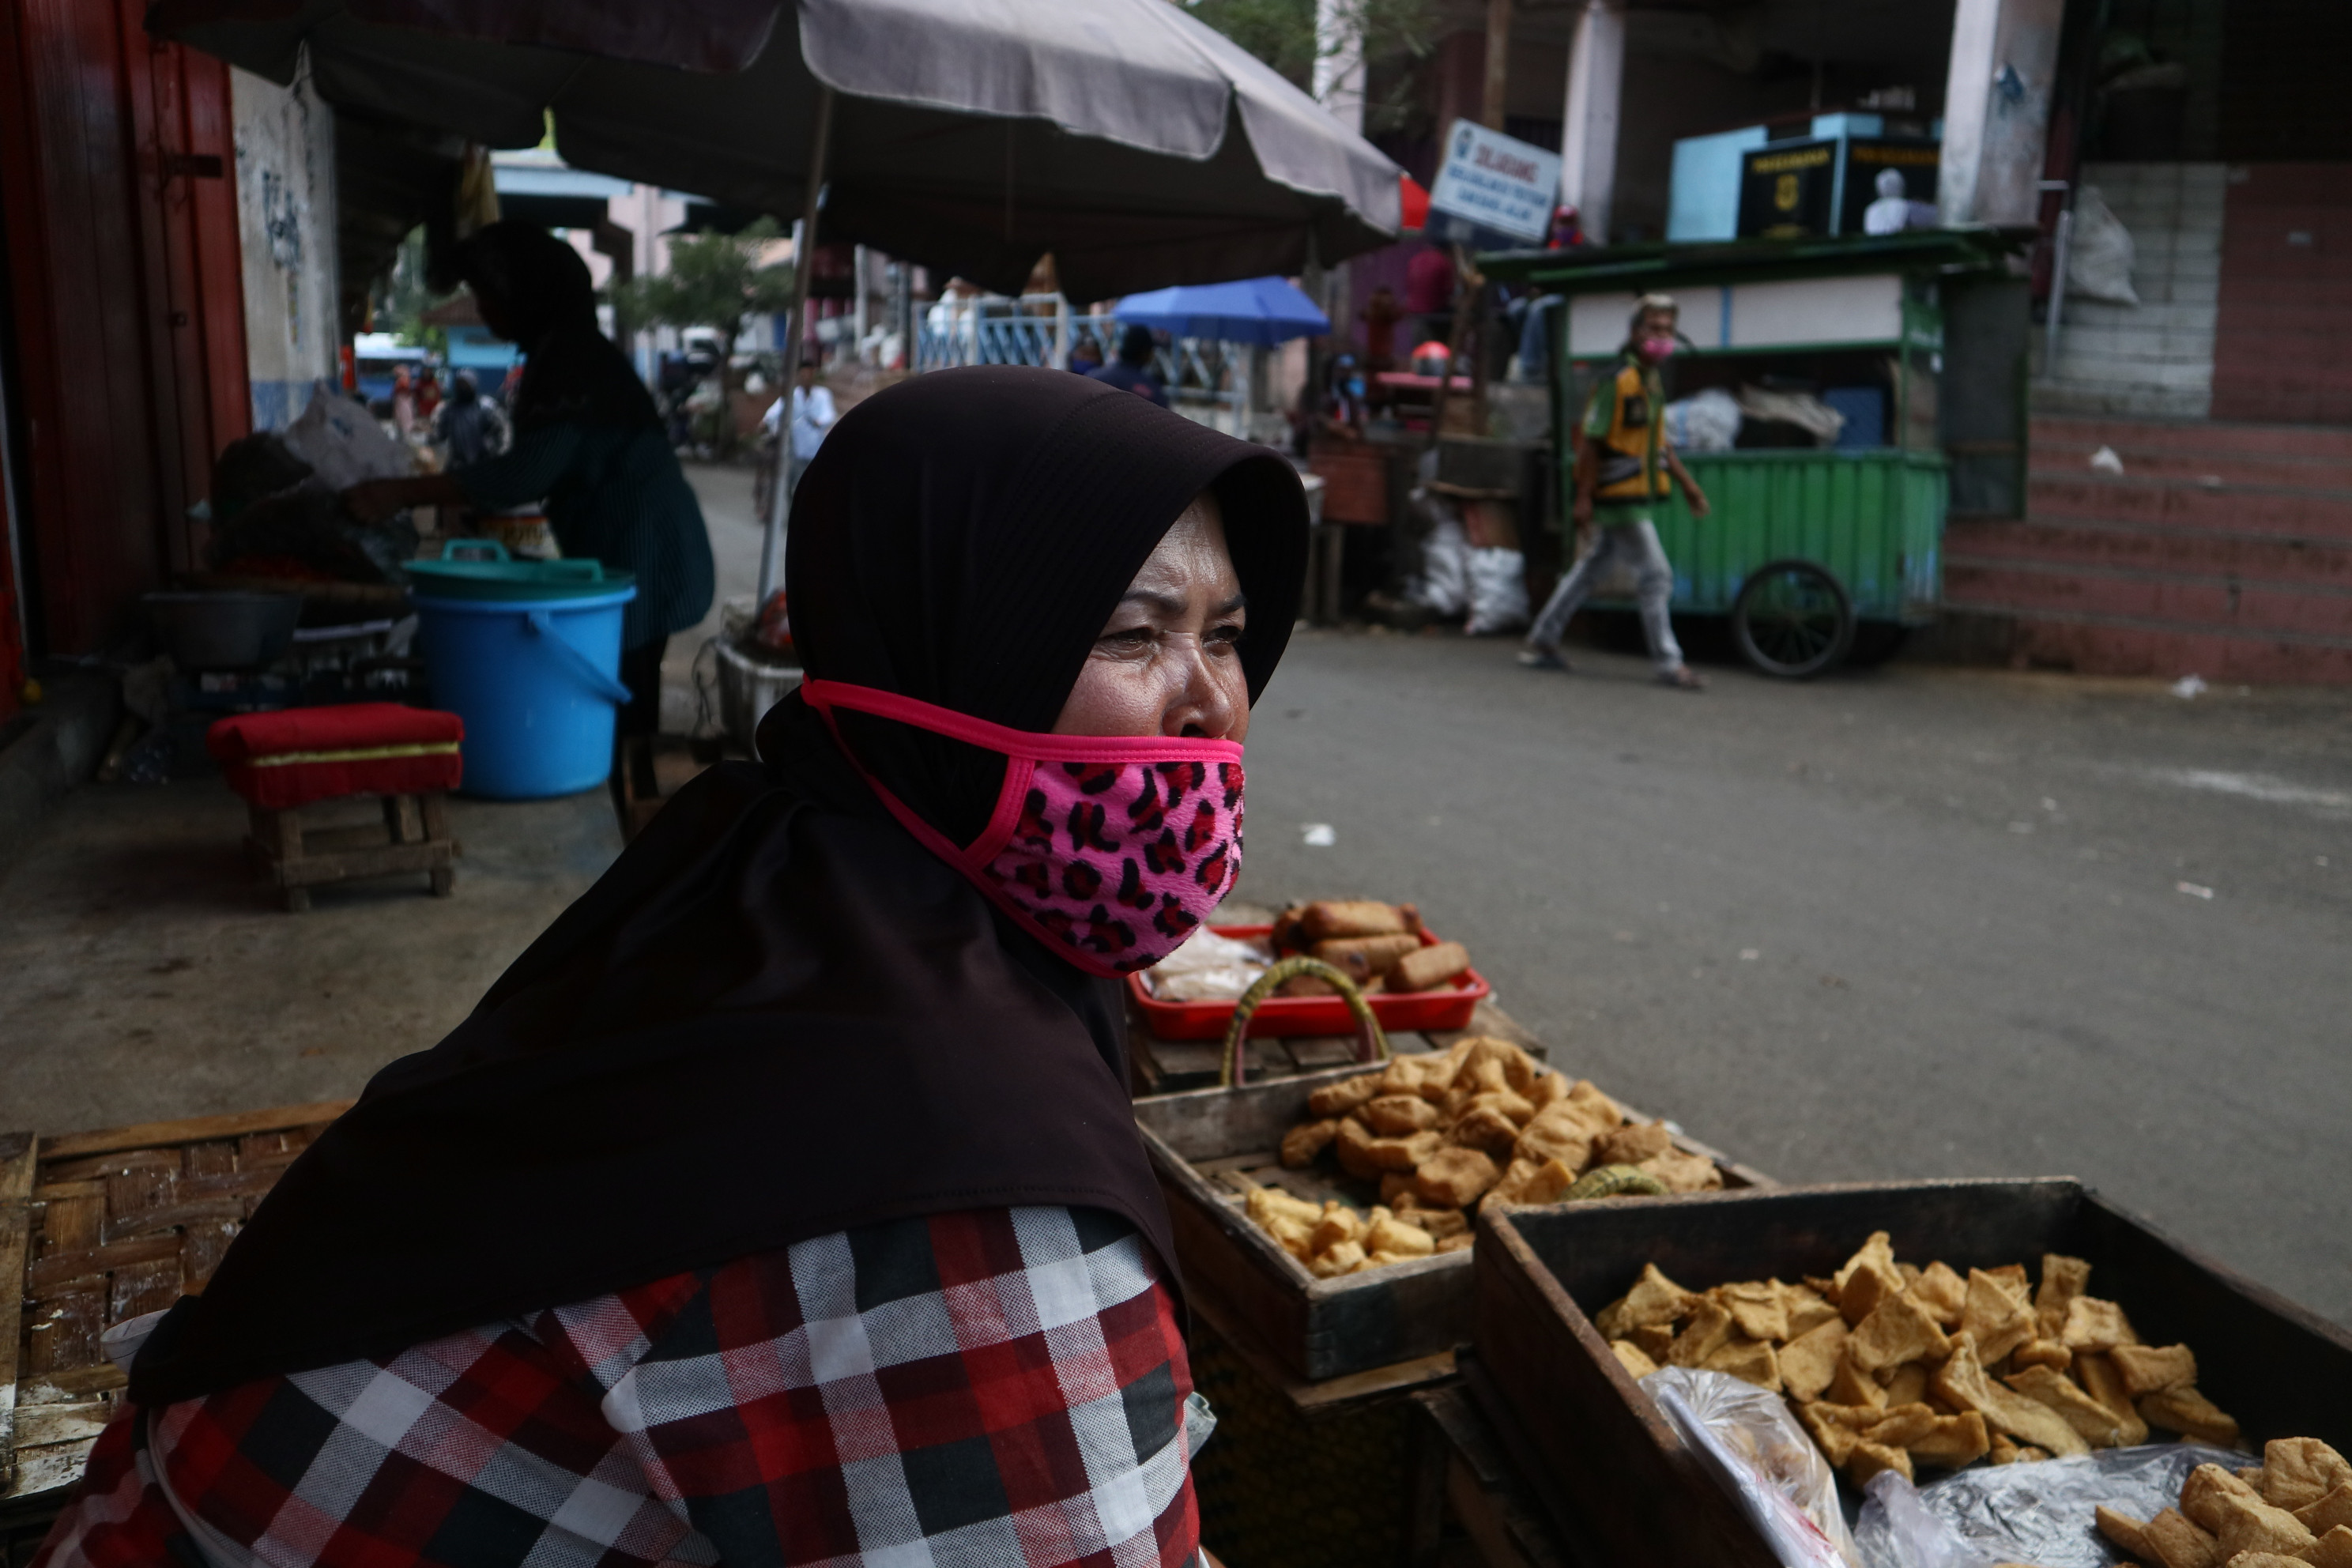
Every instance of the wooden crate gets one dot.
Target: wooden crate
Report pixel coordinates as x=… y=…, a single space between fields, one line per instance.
x=96 y=1228
x=1473 y=1505
x=1210 y=1146
x=1611 y=1459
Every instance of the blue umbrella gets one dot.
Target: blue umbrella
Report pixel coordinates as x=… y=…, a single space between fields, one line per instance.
x=1264 y=310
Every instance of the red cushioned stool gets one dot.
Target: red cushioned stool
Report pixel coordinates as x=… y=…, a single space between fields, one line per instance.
x=283 y=761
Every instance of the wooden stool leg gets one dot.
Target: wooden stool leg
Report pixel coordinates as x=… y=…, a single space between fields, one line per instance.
x=401 y=819
x=432 y=808
x=278 y=833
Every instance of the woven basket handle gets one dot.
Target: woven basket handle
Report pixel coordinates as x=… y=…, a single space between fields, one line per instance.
x=1372 y=1040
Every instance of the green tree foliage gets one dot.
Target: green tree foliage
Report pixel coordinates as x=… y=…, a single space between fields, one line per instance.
x=1282 y=34
x=715 y=280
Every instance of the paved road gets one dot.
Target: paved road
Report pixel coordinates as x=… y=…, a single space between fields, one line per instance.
x=1916 y=923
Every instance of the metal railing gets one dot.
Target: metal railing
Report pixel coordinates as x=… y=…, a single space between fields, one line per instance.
x=1041 y=329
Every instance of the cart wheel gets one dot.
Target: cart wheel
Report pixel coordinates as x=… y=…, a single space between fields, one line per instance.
x=1792 y=619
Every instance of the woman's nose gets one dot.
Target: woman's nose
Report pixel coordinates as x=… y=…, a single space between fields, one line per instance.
x=1204 y=704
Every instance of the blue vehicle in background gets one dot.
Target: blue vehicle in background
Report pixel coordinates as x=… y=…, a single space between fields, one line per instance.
x=376 y=357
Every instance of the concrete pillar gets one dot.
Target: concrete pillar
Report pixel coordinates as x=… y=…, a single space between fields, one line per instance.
x=1997 y=109
x=1498 y=64
x=1588 y=143
x=1339 y=62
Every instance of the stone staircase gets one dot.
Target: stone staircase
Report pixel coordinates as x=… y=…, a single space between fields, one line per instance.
x=2154 y=359
x=2222 y=550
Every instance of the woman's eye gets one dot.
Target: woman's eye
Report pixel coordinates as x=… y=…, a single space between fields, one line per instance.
x=1134 y=637
x=1226 y=636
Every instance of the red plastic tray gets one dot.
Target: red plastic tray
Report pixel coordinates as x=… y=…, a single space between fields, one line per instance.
x=1446 y=1009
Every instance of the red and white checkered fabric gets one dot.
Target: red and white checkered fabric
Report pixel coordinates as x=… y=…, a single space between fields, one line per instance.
x=1002 y=1387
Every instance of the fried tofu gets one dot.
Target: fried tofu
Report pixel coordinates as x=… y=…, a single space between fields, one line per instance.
x=1809 y=1362
x=1653 y=1299
x=1339 y=1099
x=1362 y=958
x=2122 y=1529
x=1440 y=1223
x=2190 y=1413
x=2333 y=1550
x=1603 y=1111
x=1409 y=1153
x=1954 y=1441
x=1898 y=1329
x=1488 y=1131
x=1406 y=1074
x=1849 y=1384
x=1520 y=1070
x=2175 y=1542
x=1807 y=1308
x=1459 y=1242
x=1303 y=1142
x=1394 y=1235
x=1339 y=1224
x=1682 y=1172
x=1942 y=1292
x=1512 y=1182
x=1961 y=1383
x=2300 y=1470
x=1833 y=1437
x=2094 y=1422
x=1867 y=1458
x=1328 y=918
x=2042 y=1352
x=2103 y=1383
x=1632 y=1145
x=1750 y=1361
x=1263 y=1203
x=1560 y=1132
x=1517 y=1108
x=1999 y=1449
x=2245 y=1522
x=1868 y=1278
x=1548 y=1185
x=2328 y=1512
x=1902 y=1425
x=1633 y=1358
x=1399 y=1115
x=1708 y=1331
x=2201 y=1495
x=1342 y=1257
x=2063 y=1279
x=1878 y=1252
x=1453 y=1178
x=1656 y=1339
x=1995 y=1315
x=2148 y=1369
x=2096 y=1325
x=1909 y=1384
x=1756 y=1307
x=1548 y=1088
x=1354 y=1147
x=1427 y=968
x=1396 y=1187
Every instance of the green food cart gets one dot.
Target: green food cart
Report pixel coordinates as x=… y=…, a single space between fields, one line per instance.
x=1818 y=553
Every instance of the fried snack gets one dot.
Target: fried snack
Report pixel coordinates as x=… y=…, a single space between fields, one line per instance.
x=1399 y=1115
x=1346 y=1095
x=1901 y=1425
x=1394 y=1235
x=2096 y=1325
x=1457 y=1243
x=1452 y=1178
x=1519 y=1069
x=2333 y=1550
x=2175 y=1542
x=1750 y=1361
x=2063 y=1279
x=1342 y=1257
x=2268 y=1560
x=1262 y=1202
x=1833 y=1432
x=1756 y=1308
x=1396 y=1187
x=1898 y=1329
x=1427 y=968
x=1363 y=958
x=2300 y=1470
x=1995 y=1315
x=1656 y=1339
x=2103 y=1383
x=2201 y=1495
x=1560 y=1132
x=2094 y=1422
x=1488 y=1131
x=1868 y=1458
x=1961 y=1384
x=2042 y=1352
x=1509 y=1103
x=1999 y=1450
x=1653 y=1299
x=1439 y=1222
x=2190 y=1413
x=1867 y=1279
x=1308 y=1139
x=1909 y=1384
x=1339 y=1224
x=1545 y=1183
x=1708 y=1331
x=2122 y=1529
x=1807 y=1309
x=1354 y=1146
x=2147 y=1369
x=1942 y=1292
x=1328 y=918
x=1632 y=1145
x=1809 y=1362
x=1850 y=1385
x=2247 y=1523
x=1634 y=1359
x=2328 y=1513
x=1954 y=1441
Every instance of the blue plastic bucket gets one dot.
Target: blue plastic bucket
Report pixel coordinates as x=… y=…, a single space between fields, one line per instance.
x=537 y=682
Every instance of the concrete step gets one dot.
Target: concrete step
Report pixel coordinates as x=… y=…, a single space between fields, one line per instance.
x=2091 y=644
x=2215 y=436
x=2063 y=457
x=2100 y=340
x=2279 y=512
x=2122 y=370
x=2292 y=565
x=2124 y=594
x=2164 y=315
x=2121 y=399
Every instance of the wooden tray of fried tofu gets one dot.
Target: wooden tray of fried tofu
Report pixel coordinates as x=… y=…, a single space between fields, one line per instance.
x=1210 y=1147
x=98 y=1228
x=1608 y=1458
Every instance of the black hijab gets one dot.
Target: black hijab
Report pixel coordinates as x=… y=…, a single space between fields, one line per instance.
x=571 y=370
x=777 y=1016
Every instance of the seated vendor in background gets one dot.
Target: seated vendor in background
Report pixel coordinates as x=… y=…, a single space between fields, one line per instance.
x=588 y=441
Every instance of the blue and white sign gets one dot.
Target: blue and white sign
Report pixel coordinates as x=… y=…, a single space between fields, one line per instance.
x=1496 y=180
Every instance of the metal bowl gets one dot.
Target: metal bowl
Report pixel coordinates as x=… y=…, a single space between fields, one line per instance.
x=223 y=631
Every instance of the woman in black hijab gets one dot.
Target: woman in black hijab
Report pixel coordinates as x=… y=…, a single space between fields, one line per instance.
x=784 y=1203
x=587 y=440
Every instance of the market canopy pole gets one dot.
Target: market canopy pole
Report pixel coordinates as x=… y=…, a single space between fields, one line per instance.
x=780 y=499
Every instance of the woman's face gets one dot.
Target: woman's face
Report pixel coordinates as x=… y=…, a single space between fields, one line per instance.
x=1169 y=660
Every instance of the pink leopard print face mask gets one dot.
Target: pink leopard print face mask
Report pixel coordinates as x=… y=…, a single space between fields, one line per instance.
x=1109 y=849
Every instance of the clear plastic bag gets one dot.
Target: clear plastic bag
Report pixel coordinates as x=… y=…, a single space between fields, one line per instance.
x=1497 y=584
x=1764 y=1460
x=1443 y=584
x=2040 y=1512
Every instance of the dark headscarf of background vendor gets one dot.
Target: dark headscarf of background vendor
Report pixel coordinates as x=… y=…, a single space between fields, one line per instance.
x=542 y=290
x=777 y=1016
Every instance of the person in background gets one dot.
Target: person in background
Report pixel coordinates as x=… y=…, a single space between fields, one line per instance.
x=1567 y=230
x=588 y=440
x=812 y=415
x=428 y=397
x=404 y=403
x=1086 y=357
x=468 y=427
x=1623 y=467
x=1429 y=279
x=1132 y=370
x=1380 y=315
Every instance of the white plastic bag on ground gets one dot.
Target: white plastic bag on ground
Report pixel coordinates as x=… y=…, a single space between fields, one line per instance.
x=1443 y=584
x=1497 y=591
x=343 y=442
x=1763 y=1459
x=2041 y=1513
x=1707 y=421
x=2099 y=252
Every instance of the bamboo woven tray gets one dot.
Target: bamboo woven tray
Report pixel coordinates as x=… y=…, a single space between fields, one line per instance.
x=96 y=1228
